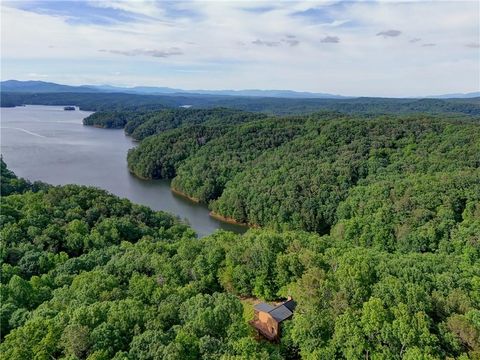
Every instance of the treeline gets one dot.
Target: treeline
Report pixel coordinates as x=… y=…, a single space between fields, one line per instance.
x=11 y=184
x=141 y=124
x=277 y=106
x=86 y=275
x=112 y=119
x=86 y=101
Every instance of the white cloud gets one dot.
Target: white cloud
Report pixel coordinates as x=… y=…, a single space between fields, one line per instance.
x=35 y=76
x=156 y=53
x=255 y=45
x=141 y=7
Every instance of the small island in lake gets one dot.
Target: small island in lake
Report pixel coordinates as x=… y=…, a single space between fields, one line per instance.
x=69 y=108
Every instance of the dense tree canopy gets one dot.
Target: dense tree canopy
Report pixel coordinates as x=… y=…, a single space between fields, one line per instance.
x=371 y=223
x=158 y=156
x=112 y=119
x=157 y=122
x=141 y=124
x=204 y=174
x=87 y=275
x=413 y=178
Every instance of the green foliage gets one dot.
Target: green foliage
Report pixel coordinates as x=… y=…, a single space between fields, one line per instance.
x=413 y=213
x=158 y=156
x=156 y=122
x=301 y=184
x=11 y=184
x=143 y=123
x=86 y=275
x=204 y=174
x=408 y=183
x=111 y=119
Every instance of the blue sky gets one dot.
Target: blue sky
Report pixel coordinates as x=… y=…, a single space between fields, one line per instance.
x=369 y=48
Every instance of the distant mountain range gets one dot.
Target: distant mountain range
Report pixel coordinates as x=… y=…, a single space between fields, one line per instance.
x=49 y=87
x=456 y=96
x=151 y=90
x=40 y=87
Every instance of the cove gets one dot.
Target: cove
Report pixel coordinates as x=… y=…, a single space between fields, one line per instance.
x=50 y=144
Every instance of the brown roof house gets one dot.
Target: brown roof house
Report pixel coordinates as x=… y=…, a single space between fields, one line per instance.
x=267 y=318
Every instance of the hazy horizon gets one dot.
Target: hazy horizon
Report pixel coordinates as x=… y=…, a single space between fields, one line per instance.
x=206 y=90
x=383 y=49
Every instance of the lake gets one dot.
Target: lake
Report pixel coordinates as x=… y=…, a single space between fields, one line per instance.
x=50 y=144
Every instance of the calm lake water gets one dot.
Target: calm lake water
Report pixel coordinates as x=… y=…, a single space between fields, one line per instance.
x=49 y=144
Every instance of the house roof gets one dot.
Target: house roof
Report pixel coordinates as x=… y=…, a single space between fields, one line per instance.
x=280 y=312
x=290 y=304
x=263 y=307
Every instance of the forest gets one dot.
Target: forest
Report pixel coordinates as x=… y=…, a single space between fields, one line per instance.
x=87 y=275
x=311 y=173
x=369 y=220
x=114 y=102
x=141 y=124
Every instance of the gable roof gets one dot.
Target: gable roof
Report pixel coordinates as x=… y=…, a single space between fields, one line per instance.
x=290 y=304
x=280 y=312
x=263 y=307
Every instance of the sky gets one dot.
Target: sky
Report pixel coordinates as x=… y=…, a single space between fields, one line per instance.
x=355 y=48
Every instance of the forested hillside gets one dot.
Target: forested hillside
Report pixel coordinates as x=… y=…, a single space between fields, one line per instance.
x=86 y=275
x=141 y=124
x=231 y=148
x=416 y=175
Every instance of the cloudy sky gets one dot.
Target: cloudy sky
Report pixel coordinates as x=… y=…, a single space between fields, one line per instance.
x=380 y=48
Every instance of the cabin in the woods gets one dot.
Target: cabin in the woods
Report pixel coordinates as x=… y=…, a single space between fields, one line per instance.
x=268 y=319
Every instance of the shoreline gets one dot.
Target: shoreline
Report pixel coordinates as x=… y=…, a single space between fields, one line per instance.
x=213 y=214
x=182 y=194
x=140 y=177
x=230 y=220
